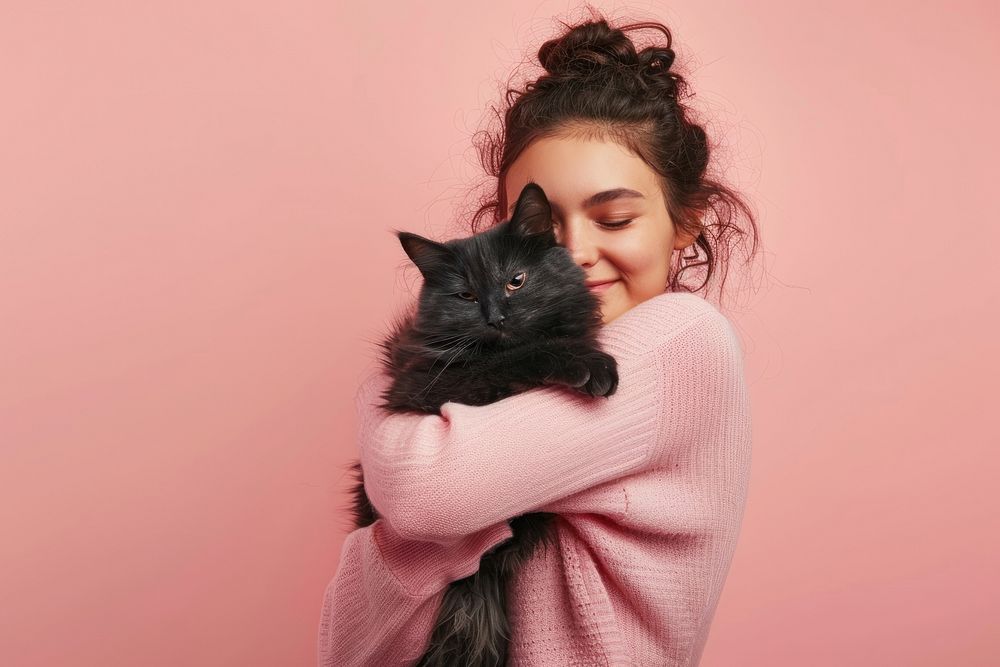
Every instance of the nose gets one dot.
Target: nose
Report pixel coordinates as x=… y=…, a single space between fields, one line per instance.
x=576 y=236
x=493 y=311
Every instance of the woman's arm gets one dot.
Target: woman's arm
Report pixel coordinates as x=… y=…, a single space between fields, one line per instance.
x=435 y=478
x=383 y=602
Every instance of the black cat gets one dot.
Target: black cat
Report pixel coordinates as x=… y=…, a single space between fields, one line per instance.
x=499 y=313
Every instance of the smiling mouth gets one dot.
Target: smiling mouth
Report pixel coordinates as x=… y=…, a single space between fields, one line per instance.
x=600 y=287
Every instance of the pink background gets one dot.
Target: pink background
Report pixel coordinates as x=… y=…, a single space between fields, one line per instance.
x=195 y=259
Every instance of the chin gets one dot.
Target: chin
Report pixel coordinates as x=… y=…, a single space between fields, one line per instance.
x=608 y=313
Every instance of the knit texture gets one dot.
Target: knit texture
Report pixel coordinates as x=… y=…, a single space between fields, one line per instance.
x=649 y=485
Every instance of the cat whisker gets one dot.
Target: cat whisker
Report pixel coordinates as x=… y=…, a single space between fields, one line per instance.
x=460 y=345
x=445 y=367
x=450 y=339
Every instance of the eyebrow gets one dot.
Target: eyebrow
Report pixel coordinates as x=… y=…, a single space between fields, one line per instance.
x=599 y=198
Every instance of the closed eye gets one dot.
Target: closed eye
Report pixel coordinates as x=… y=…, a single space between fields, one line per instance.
x=614 y=224
x=609 y=224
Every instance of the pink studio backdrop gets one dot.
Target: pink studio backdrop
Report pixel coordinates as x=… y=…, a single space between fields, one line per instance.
x=194 y=259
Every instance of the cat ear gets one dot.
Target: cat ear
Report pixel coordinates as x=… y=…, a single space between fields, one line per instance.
x=532 y=213
x=430 y=257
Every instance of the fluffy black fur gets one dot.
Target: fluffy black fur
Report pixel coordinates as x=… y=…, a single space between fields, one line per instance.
x=499 y=313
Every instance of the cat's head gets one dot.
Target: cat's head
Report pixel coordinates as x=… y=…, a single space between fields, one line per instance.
x=506 y=285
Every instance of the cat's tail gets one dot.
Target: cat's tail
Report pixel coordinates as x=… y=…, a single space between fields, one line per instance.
x=472 y=627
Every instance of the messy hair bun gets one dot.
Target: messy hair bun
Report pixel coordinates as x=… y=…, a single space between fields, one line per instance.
x=598 y=49
x=594 y=76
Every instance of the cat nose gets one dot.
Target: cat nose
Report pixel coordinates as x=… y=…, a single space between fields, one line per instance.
x=496 y=321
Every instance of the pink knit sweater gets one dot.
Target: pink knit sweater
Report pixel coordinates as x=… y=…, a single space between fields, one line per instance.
x=649 y=484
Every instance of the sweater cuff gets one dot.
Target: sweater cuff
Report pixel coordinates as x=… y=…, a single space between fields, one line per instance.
x=423 y=568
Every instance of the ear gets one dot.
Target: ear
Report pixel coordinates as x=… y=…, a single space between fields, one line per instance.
x=430 y=257
x=532 y=213
x=683 y=240
x=683 y=236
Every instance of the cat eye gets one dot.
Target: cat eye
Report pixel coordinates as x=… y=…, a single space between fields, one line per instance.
x=517 y=281
x=468 y=296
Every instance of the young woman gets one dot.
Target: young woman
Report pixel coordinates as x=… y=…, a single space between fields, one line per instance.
x=649 y=483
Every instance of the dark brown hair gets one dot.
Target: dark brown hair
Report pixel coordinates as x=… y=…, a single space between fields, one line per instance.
x=597 y=85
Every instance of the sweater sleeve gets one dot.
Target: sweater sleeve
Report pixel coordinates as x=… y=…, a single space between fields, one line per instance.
x=437 y=477
x=383 y=602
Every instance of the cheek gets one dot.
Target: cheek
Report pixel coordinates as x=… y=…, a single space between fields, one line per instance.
x=646 y=266
x=638 y=256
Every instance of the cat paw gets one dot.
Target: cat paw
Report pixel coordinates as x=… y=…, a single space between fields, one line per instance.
x=594 y=374
x=603 y=379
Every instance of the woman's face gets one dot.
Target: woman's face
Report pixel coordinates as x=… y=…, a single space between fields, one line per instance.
x=594 y=185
